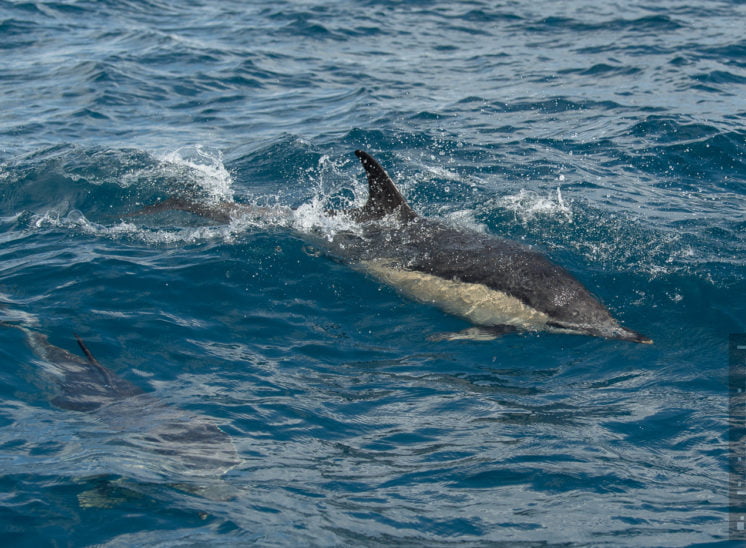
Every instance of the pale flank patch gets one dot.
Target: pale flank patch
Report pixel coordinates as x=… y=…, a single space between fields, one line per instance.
x=476 y=303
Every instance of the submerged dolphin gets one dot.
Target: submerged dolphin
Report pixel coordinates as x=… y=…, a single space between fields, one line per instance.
x=496 y=284
x=185 y=444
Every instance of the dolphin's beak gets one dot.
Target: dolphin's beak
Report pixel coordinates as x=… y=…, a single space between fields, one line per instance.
x=624 y=334
x=615 y=332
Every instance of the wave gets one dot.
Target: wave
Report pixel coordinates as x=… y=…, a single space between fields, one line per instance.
x=689 y=151
x=99 y=192
x=561 y=24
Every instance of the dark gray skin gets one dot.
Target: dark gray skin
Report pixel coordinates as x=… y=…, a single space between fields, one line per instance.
x=387 y=228
x=83 y=384
x=193 y=445
x=424 y=245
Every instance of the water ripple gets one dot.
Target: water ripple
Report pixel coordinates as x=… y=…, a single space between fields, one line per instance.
x=611 y=139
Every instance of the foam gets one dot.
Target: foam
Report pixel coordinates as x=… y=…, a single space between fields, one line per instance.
x=527 y=205
x=75 y=220
x=206 y=168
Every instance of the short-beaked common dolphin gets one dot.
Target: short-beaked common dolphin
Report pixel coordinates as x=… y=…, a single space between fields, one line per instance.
x=496 y=284
x=183 y=443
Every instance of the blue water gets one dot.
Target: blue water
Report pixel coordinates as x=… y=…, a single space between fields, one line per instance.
x=610 y=135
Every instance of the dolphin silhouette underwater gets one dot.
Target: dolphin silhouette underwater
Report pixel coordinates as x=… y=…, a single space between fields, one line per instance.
x=496 y=284
x=184 y=444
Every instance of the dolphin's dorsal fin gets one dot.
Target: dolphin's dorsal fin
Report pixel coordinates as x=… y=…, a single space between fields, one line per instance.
x=88 y=353
x=110 y=380
x=384 y=198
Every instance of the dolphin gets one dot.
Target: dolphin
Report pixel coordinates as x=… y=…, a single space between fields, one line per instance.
x=182 y=443
x=496 y=284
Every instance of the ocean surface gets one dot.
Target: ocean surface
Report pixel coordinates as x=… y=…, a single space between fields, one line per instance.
x=610 y=136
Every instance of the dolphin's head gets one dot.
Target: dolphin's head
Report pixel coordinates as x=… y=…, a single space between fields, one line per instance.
x=580 y=312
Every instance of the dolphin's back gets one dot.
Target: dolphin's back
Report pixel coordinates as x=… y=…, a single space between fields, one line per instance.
x=187 y=443
x=83 y=384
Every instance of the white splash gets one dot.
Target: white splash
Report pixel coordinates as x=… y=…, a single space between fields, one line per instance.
x=313 y=218
x=527 y=205
x=75 y=220
x=442 y=173
x=465 y=218
x=205 y=168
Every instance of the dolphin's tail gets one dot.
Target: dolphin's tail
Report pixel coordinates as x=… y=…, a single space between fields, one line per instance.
x=220 y=213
